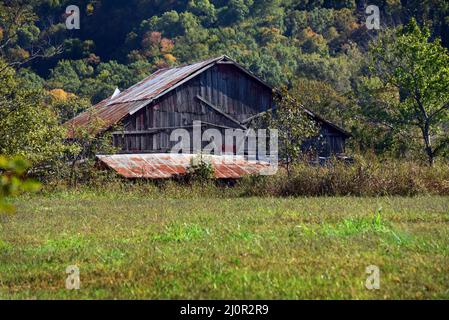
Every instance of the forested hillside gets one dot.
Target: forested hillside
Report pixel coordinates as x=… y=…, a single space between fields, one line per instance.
x=318 y=48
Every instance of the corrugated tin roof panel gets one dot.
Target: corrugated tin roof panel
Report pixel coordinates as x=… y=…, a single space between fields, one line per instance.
x=164 y=166
x=158 y=82
x=101 y=117
x=110 y=111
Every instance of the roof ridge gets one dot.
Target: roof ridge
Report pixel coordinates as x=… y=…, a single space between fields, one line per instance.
x=157 y=73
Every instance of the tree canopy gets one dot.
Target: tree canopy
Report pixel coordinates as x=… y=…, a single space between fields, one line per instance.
x=415 y=67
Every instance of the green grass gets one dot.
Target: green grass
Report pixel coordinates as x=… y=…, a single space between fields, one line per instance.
x=129 y=246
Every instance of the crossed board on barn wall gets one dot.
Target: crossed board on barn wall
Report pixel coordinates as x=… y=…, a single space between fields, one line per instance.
x=240 y=124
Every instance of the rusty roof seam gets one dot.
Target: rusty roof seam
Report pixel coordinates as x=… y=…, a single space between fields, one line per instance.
x=158 y=166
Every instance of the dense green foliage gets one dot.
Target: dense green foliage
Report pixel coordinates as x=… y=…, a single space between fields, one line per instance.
x=28 y=122
x=416 y=69
x=12 y=182
x=319 y=49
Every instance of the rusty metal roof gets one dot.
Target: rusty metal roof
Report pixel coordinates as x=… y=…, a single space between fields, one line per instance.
x=160 y=81
x=101 y=116
x=110 y=111
x=166 y=165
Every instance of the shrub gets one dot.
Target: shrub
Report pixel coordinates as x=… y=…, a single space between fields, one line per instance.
x=363 y=178
x=200 y=170
x=12 y=181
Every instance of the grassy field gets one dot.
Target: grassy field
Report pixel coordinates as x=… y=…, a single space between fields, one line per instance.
x=204 y=248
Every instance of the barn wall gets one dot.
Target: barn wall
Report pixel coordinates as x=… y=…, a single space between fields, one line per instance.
x=328 y=142
x=333 y=142
x=225 y=86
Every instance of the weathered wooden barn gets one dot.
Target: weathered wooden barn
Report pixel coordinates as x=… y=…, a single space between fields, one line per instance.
x=218 y=92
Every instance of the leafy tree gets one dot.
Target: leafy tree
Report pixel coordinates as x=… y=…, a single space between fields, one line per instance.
x=85 y=144
x=296 y=22
x=372 y=131
x=12 y=181
x=320 y=19
x=95 y=83
x=235 y=11
x=169 y=24
x=21 y=40
x=28 y=124
x=68 y=74
x=262 y=8
x=30 y=79
x=294 y=126
x=155 y=49
x=77 y=49
x=205 y=10
x=337 y=71
x=418 y=68
x=324 y=100
x=313 y=43
x=67 y=105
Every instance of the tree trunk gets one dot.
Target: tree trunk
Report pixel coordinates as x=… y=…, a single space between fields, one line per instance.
x=428 y=144
x=73 y=177
x=431 y=160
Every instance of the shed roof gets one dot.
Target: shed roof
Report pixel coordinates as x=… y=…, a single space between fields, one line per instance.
x=168 y=165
